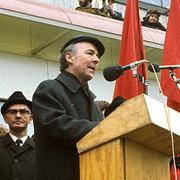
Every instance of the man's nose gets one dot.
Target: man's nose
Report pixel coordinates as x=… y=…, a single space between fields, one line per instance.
x=18 y=114
x=96 y=59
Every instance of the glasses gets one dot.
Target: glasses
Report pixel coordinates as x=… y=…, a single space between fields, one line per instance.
x=23 y=112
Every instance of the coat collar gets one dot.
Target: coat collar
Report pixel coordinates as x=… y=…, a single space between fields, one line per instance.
x=30 y=142
x=72 y=83
x=7 y=141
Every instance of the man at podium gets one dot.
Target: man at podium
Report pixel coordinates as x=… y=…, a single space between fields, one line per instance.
x=64 y=110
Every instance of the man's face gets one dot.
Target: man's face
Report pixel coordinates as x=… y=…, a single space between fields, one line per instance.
x=153 y=18
x=84 y=62
x=83 y=3
x=110 y=2
x=18 y=116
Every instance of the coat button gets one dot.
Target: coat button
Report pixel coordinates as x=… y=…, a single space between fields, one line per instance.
x=16 y=160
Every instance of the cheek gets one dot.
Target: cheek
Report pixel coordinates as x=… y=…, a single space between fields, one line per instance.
x=82 y=62
x=7 y=120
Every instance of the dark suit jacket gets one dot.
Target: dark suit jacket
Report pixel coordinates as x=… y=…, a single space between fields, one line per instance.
x=63 y=112
x=16 y=163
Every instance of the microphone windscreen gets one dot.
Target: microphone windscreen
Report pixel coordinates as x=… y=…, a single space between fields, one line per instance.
x=156 y=68
x=114 y=104
x=112 y=73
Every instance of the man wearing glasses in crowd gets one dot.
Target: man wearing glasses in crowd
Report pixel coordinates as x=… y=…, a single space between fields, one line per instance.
x=16 y=147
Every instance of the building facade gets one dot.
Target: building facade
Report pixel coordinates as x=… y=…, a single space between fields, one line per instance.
x=33 y=31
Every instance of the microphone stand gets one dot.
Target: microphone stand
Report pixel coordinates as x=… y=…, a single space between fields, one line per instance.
x=174 y=78
x=140 y=78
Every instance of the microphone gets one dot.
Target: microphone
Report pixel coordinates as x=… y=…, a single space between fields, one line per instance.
x=111 y=73
x=157 y=68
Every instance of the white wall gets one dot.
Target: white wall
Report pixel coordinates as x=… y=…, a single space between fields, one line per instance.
x=104 y=89
x=23 y=73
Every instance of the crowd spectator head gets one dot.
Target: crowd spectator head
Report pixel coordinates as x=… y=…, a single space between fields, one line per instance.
x=103 y=105
x=85 y=3
x=153 y=16
x=3 y=130
x=107 y=11
x=152 y=20
x=109 y=1
x=117 y=101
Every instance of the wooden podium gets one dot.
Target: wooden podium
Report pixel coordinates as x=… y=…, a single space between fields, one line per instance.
x=132 y=143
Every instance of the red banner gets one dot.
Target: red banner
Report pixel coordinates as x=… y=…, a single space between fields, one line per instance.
x=171 y=56
x=131 y=50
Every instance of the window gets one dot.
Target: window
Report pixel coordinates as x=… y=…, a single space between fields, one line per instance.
x=163 y=3
x=166 y=3
x=155 y=2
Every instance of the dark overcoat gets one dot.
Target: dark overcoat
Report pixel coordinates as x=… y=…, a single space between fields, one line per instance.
x=16 y=164
x=63 y=112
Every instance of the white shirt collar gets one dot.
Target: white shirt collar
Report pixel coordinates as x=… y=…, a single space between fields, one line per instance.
x=14 y=138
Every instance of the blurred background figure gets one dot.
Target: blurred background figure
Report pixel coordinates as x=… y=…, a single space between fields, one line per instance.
x=152 y=20
x=107 y=10
x=167 y=13
x=115 y=103
x=102 y=105
x=3 y=130
x=86 y=6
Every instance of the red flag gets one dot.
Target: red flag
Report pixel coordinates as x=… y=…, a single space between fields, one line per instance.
x=177 y=172
x=173 y=173
x=132 y=49
x=171 y=55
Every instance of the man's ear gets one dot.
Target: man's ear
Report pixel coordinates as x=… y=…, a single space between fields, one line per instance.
x=4 y=117
x=69 y=57
x=30 y=119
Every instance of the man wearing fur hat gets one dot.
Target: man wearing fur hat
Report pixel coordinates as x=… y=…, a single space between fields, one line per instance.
x=16 y=148
x=152 y=20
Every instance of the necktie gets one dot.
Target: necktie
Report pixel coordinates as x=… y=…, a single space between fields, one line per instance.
x=18 y=142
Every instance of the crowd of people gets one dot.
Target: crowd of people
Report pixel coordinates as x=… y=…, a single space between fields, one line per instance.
x=106 y=10
x=151 y=19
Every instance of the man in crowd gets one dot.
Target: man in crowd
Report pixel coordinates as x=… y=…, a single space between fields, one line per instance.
x=86 y=6
x=64 y=110
x=16 y=148
x=107 y=10
x=152 y=20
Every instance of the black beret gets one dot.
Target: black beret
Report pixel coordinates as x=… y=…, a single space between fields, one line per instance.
x=97 y=43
